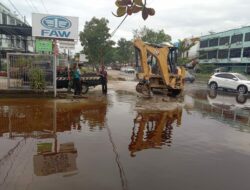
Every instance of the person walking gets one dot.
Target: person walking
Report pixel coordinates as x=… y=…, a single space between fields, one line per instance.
x=76 y=80
x=104 y=79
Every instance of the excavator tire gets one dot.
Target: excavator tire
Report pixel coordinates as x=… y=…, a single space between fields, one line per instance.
x=139 y=87
x=143 y=89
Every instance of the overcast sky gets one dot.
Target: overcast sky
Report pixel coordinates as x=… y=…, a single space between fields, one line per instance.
x=179 y=18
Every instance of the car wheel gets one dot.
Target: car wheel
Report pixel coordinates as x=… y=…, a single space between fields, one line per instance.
x=241 y=99
x=213 y=85
x=85 y=88
x=242 y=89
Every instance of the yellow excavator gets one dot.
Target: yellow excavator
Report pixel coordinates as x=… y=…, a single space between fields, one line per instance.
x=157 y=69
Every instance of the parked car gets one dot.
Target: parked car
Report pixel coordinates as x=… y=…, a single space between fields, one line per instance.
x=189 y=77
x=128 y=70
x=232 y=81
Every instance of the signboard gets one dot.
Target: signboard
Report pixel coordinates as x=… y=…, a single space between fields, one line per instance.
x=53 y=26
x=83 y=58
x=66 y=44
x=43 y=46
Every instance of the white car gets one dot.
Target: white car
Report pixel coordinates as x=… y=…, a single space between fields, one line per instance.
x=233 y=81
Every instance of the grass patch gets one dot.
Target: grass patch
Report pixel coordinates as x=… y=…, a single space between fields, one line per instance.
x=202 y=77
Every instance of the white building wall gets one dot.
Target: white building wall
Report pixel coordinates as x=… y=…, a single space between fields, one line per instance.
x=194 y=51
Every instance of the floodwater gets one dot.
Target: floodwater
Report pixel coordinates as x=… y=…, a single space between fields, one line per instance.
x=121 y=141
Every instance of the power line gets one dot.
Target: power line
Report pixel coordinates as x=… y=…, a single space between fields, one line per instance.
x=15 y=8
x=33 y=6
x=28 y=3
x=44 y=6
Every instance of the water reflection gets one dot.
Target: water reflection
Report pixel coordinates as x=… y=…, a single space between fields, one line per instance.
x=48 y=161
x=37 y=119
x=230 y=108
x=232 y=100
x=153 y=129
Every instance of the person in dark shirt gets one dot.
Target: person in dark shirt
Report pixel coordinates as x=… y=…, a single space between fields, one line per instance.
x=104 y=79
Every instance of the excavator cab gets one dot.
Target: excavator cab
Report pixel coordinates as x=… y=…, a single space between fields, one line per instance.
x=157 y=69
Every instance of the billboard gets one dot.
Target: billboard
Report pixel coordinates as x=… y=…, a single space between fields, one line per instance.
x=53 y=26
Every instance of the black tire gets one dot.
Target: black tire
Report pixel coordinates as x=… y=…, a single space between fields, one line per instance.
x=241 y=99
x=242 y=89
x=85 y=88
x=213 y=85
x=175 y=92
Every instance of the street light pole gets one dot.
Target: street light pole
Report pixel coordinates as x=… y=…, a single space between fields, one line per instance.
x=54 y=66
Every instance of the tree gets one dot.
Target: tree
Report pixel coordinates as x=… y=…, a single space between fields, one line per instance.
x=183 y=47
x=124 y=50
x=95 y=40
x=129 y=7
x=151 y=36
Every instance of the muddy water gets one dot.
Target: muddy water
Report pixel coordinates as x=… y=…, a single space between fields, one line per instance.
x=124 y=142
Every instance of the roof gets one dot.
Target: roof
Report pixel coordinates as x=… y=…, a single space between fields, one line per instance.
x=225 y=31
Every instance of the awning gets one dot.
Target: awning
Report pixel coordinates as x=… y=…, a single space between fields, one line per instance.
x=15 y=30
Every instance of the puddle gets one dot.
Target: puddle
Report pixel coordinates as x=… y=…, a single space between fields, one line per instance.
x=122 y=141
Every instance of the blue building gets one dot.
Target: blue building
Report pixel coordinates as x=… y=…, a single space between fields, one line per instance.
x=226 y=49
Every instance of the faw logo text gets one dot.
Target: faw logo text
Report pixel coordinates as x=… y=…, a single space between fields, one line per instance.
x=56 y=27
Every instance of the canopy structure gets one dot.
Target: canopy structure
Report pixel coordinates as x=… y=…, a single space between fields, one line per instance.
x=15 y=30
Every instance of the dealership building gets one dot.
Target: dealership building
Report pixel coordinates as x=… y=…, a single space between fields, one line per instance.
x=229 y=48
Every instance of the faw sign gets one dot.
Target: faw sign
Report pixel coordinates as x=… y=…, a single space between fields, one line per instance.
x=53 y=26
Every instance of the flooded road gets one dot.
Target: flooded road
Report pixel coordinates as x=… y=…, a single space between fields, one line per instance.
x=121 y=141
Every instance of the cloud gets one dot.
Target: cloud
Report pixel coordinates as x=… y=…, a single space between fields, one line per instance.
x=178 y=18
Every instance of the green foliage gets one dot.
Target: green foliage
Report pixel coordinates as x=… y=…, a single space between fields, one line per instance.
x=129 y=7
x=207 y=68
x=37 y=79
x=184 y=46
x=183 y=61
x=151 y=36
x=95 y=40
x=124 y=51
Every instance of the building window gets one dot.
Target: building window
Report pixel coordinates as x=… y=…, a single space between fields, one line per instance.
x=246 y=52
x=237 y=38
x=4 y=18
x=223 y=54
x=12 y=41
x=12 y=21
x=18 y=41
x=212 y=54
x=224 y=40
x=203 y=55
x=235 y=53
x=204 y=43
x=247 y=37
x=213 y=42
